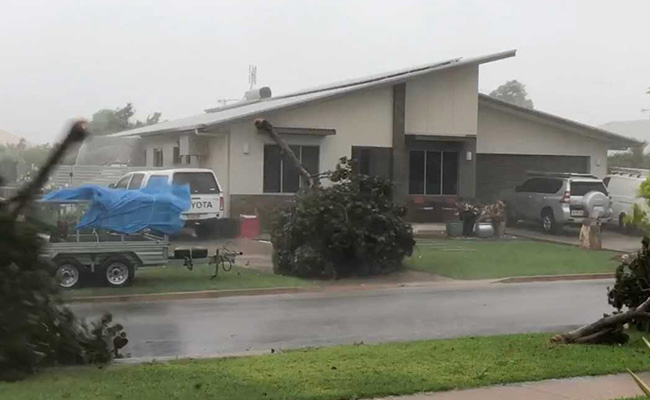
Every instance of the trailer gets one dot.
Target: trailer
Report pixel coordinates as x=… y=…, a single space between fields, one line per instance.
x=111 y=258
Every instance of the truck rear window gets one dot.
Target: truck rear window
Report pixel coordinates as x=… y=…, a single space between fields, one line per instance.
x=582 y=188
x=200 y=182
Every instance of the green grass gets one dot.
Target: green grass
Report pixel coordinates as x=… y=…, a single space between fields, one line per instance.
x=179 y=279
x=479 y=259
x=343 y=372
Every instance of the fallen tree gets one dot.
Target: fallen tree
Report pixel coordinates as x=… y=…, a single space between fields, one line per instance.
x=36 y=328
x=631 y=290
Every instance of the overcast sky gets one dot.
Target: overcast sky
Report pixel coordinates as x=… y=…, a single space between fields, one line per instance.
x=587 y=60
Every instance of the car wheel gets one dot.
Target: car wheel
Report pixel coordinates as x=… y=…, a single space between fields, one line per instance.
x=548 y=222
x=68 y=272
x=117 y=271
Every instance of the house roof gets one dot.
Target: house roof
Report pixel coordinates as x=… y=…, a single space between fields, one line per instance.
x=247 y=109
x=616 y=141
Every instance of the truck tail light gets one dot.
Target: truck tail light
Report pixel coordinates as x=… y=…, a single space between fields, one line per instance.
x=566 y=198
x=221 y=202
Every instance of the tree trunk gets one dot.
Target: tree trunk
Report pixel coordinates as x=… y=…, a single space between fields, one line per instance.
x=594 y=332
x=266 y=126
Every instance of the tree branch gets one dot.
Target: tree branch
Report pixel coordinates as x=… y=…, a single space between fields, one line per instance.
x=605 y=325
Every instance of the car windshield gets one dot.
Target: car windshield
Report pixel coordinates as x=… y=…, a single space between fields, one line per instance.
x=582 y=188
x=200 y=182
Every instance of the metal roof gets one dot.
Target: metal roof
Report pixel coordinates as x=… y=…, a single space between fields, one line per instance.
x=248 y=109
x=620 y=142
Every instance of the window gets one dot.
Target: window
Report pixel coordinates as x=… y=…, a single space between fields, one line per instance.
x=121 y=184
x=157 y=158
x=280 y=176
x=176 y=158
x=200 y=182
x=373 y=161
x=157 y=180
x=541 y=185
x=136 y=181
x=551 y=186
x=530 y=186
x=606 y=181
x=582 y=188
x=433 y=172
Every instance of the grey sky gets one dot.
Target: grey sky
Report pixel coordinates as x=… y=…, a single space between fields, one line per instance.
x=585 y=59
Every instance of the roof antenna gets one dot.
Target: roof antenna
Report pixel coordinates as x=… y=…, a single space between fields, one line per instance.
x=252 y=75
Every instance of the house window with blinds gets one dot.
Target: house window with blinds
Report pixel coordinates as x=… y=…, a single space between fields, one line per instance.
x=433 y=172
x=280 y=176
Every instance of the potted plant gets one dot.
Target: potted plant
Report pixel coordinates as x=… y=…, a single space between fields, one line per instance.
x=468 y=213
x=496 y=214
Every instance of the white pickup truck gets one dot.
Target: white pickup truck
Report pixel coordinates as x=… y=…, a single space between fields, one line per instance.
x=208 y=202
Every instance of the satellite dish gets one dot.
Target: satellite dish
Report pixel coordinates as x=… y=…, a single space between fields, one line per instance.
x=596 y=204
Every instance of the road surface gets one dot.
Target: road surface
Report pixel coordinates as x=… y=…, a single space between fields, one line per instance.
x=261 y=323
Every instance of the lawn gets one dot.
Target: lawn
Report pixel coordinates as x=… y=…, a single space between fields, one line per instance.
x=482 y=259
x=179 y=279
x=343 y=372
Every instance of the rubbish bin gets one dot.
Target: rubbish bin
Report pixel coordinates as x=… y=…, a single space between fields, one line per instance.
x=249 y=226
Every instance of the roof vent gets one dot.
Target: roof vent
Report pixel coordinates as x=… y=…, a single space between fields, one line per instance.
x=258 y=94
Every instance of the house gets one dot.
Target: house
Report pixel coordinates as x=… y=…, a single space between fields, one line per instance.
x=427 y=128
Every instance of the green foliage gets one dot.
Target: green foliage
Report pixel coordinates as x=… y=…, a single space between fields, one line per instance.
x=640 y=216
x=23 y=152
x=513 y=92
x=36 y=330
x=632 y=279
x=633 y=158
x=107 y=121
x=349 y=228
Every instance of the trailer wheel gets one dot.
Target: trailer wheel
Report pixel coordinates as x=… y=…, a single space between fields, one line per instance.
x=117 y=271
x=68 y=272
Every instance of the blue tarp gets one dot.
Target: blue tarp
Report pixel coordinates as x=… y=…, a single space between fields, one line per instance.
x=128 y=211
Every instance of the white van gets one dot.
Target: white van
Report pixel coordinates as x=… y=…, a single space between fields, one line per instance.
x=207 y=198
x=623 y=188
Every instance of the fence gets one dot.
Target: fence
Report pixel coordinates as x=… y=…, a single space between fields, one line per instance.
x=76 y=175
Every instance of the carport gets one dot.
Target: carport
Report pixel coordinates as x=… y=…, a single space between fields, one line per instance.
x=497 y=173
x=512 y=140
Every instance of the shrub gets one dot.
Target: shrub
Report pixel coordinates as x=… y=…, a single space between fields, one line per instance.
x=632 y=279
x=349 y=228
x=36 y=330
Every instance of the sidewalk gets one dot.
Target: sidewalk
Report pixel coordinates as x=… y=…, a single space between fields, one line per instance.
x=583 y=388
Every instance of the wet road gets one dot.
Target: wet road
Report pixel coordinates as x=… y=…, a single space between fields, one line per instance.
x=261 y=323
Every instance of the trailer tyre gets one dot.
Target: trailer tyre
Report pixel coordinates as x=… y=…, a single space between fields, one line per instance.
x=68 y=272
x=117 y=271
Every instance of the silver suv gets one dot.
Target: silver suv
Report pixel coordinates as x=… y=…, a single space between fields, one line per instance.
x=554 y=199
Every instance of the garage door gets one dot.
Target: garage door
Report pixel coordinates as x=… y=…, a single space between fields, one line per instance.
x=496 y=173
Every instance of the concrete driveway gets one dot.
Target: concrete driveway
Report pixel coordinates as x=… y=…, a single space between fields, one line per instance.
x=612 y=239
